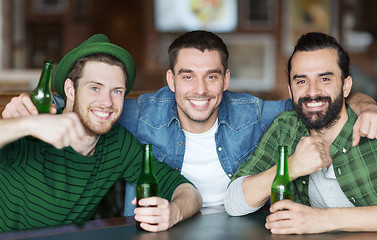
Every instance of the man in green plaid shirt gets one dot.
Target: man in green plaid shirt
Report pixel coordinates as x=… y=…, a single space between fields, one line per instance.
x=334 y=181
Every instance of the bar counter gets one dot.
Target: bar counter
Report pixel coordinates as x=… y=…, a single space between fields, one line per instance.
x=203 y=226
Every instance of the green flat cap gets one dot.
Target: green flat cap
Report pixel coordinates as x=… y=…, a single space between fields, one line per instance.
x=98 y=43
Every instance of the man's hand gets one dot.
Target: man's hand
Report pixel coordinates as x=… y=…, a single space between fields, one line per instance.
x=59 y=130
x=22 y=106
x=296 y=219
x=365 y=108
x=154 y=219
x=365 y=125
x=311 y=155
x=185 y=202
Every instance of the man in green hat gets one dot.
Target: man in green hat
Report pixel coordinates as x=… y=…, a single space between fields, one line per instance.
x=61 y=173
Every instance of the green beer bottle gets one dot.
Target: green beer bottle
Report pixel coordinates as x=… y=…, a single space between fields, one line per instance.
x=147 y=185
x=281 y=186
x=41 y=96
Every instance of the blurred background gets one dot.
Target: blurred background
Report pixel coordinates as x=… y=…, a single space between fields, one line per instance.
x=260 y=35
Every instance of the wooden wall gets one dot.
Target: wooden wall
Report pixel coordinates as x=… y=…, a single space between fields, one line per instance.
x=130 y=24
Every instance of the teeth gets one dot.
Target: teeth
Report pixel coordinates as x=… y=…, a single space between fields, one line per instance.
x=315 y=104
x=102 y=114
x=199 y=103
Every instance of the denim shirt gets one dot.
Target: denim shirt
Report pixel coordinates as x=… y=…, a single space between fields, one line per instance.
x=153 y=118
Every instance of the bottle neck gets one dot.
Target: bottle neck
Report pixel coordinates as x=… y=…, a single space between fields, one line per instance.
x=147 y=162
x=45 y=80
x=282 y=166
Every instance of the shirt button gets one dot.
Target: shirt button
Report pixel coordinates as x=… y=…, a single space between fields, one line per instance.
x=180 y=144
x=219 y=149
x=344 y=150
x=230 y=175
x=303 y=182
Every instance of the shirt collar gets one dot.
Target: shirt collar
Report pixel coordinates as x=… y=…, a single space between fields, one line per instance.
x=343 y=142
x=173 y=113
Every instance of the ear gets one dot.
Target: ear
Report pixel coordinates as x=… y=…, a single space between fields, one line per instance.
x=170 y=80
x=289 y=91
x=347 y=86
x=69 y=90
x=226 y=79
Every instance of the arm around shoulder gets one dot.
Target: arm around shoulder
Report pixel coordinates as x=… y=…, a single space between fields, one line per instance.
x=128 y=118
x=360 y=102
x=366 y=109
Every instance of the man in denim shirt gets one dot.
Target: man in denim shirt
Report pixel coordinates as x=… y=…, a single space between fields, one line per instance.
x=195 y=125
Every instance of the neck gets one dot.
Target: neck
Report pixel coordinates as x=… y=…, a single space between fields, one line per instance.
x=88 y=144
x=196 y=126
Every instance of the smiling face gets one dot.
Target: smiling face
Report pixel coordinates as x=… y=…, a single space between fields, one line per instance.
x=99 y=96
x=198 y=81
x=316 y=87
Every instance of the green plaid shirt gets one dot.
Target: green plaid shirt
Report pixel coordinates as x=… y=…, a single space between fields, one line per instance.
x=355 y=167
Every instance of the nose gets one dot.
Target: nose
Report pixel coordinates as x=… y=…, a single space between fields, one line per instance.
x=313 y=89
x=201 y=87
x=105 y=100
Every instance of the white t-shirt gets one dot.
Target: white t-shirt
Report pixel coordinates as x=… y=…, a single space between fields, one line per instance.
x=202 y=167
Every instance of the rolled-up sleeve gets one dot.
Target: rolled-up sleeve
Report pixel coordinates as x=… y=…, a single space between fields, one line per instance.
x=234 y=202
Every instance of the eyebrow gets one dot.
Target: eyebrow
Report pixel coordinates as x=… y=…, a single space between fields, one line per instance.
x=184 y=71
x=320 y=75
x=298 y=76
x=101 y=84
x=326 y=74
x=94 y=82
x=190 y=71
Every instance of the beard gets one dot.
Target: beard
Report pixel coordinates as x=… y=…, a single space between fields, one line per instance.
x=321 y=119
x=94 y=128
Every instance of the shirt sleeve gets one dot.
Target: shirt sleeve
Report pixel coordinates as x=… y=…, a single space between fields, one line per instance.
x=288 y=105
x=128 y=118
x=59 y=102
x=271 y=109
x=168 y=179
x=234 y=201
x=265 y=155
x=262 y=159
